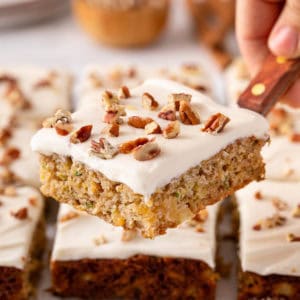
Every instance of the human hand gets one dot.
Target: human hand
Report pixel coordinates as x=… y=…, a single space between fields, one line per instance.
x=265 y=26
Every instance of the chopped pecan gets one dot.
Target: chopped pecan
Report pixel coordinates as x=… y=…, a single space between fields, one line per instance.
x=139 y=122
x=128 y=147
x=43 y=83
x=147 y=151
x=8 y=79
x=149 y=102
x=190 y=68
x=101 y=240
x=279 y=204
x=61 y=116
x=199 y=87
x=216 y=123
x=296 y=211
x=295 y=137
x=275 y=221
x=63 y=128
x=124 y=92
x=95 y=80
x=10 y=191
x=109 y=99
x=187 y=115
x=153 y=128
x=20 y=214
x=81 y=135
x=9 y=155
x=16 y=97
x=174 y=99
x=172 y=130
x=5 y=134
x=112 y=130
x=128 y=235
x=258 y=195
x=112 y=117
x=280 y=121
x=293 y=238
x=68 y=216
x=103 y=149
x=168 y=112
x=32 y=201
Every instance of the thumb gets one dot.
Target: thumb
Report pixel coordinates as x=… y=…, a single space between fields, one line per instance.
x=285 y=36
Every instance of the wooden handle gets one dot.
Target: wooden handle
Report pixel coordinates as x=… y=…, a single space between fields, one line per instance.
x=276 y=76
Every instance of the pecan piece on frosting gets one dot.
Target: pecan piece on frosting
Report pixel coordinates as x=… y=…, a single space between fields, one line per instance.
x=147 y=151
x=275 y=221
x=108 y=99
x=168 y=112
x=5 y=134
x=20 y=214
x=124 y=92
x=153 y=128
x=172 y=130
x=9 y=155
x=149 y=102
x=216 y=123
x=174 y=99
x=188 y=115
x=81 y=135
x=62 y=122
x=295 y=137
x=16 y=97
x=128 y=235
x=69 y=216
x=128 y=147
x=112 y=130
x=103 y=149
x=139 y=122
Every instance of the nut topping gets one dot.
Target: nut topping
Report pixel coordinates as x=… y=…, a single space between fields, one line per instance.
x=95 y=80
x=139 y=122
x=128 y=235
x=295 y=137
x=280 y=121
x=293 y=238
x=149 y=102
x=81 y=135
x=103 y=149
x=188 y=116
x=275 y=221
x=16 y=97
x=109 y=99
x=112 y=130
x=5 y=134
x=61 y=116
x=279 y=204
x=124 y=92
x=258 y=195
x=216 y=123
x=21 y=214
x=10 y=191
x=9 y=155
x=68 y=216
x=147 y=151
x=101 y=240
x=128 y=147
x=153 y=128
x=63 y=128
x=296 y=211
x=172 y=130
x=168 y=113
x=43 y=83
x=175 y=99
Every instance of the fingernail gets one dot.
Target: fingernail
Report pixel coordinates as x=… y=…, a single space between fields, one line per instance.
x=284 y=41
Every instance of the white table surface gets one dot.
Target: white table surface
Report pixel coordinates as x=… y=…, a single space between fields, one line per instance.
x=62 y=43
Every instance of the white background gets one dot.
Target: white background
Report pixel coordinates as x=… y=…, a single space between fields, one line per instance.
x=62 y=43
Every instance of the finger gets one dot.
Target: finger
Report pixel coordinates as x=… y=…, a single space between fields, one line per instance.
x=254 y=22
x=285 y=37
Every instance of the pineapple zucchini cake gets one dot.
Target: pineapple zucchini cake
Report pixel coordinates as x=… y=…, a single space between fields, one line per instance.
x=108 y=262
x=269 y=240
x=149 y=158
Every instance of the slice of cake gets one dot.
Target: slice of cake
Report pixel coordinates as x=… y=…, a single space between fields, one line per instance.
x=151 y=157
x=32 y=93
x=21 y=240
x=98 y=78
x=269 y=239
x=106 y=262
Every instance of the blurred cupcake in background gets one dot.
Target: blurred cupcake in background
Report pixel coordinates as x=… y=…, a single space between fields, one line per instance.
x=122 y=23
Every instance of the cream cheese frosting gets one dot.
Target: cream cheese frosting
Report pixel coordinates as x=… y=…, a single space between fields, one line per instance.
x=26 y=166
x=46 y=90
x=177 y=155
x=268 y=251
x=182 y=242
x=16 y=234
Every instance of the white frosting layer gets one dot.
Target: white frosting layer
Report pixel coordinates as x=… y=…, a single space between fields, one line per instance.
x=26 y=167
x=282 y=158
x=267 y=251
x=44 y=100
x=182 y=242
x=177 y=156
x=16 y=235
x=98 y=78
